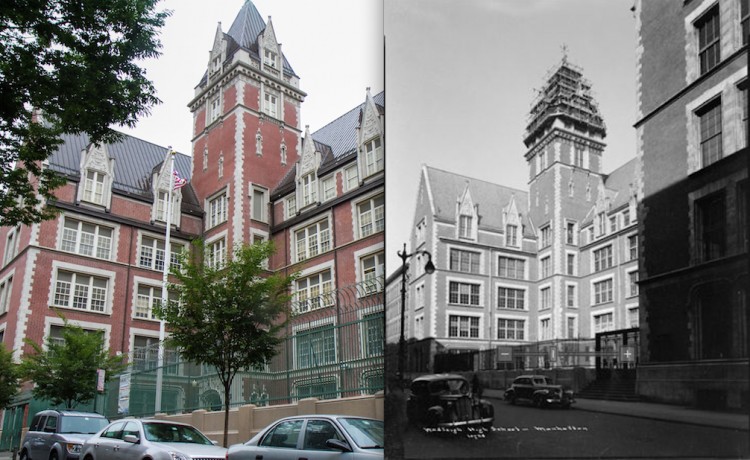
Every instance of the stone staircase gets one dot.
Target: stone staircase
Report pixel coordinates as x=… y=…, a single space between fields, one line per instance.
x=611 y=389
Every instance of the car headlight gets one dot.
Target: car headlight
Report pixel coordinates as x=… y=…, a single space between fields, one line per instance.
x=73 y=448
x=178 y=456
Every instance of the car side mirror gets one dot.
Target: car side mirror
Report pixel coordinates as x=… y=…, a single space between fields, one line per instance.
x=338 y=445
x=131 y=438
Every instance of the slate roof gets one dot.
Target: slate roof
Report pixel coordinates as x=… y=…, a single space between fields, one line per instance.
x=135 y=160
x=336 y=141
x=491 y=199
x=617 y=186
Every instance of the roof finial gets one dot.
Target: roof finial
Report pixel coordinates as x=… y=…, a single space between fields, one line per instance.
x=564 y=48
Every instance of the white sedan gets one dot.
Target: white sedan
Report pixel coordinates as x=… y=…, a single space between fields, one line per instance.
x=315 y=437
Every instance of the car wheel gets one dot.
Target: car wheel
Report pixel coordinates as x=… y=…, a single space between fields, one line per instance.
x=432 y=420
x=537 y=401
x=23 y=455
x=53 y=455
x=513 y=400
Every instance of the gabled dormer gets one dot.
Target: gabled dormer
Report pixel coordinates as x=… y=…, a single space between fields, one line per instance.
x=269 y=49
x=217 y=55
x=467 y=218
x=161 y=180
x=97 y=171
x=370 y=139
x=512 y=224
x=307 y=173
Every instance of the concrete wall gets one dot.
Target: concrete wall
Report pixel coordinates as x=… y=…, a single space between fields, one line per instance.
x=248 y=420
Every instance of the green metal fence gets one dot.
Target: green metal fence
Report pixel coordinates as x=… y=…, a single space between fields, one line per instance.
x=333 y=347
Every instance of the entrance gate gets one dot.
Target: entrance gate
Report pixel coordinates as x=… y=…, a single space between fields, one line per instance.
x=617 y=353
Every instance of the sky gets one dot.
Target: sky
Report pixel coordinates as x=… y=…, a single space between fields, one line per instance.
x=461 y=77
x=336 y=48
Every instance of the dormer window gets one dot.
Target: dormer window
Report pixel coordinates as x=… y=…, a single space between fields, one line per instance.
x=465 y=224
x=93 y=187
x=161 y=206
x=373 y=156
x=216 y=64
x=309 y=188
x=511 y=235
x=270 y=58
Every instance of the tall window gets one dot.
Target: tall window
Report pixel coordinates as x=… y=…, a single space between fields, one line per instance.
x=269 y=58
x=374 y=327
x=545 y=267
x=147 y=298
x=633 y=320
x=545 y=329
x=217 y=210
x=633 y=284
x=602 y=221
x=463 y=293
x=93 y=187
x=711 y=226
x=373 y=272
x=603 y=258
x=578 y=157
x=260 y=205
x=351 y=178
x=463 y=326
x=626 y=218
x=86 y=239
x=309 y=187
x=744 y=20
x=570 y=264
x=710 y=132
x=546 y=236
x=603 y=291
x=11 y=245
x=291 y=206
x=633 y=247
x=373 y=156
x=509 y=267
x=465 y=226
x=570 y=296
x=572 y=329
x=271 y=104
x=329 y=188
x=81 y=291
x=162 y=199
x=510 y=329
x=214 y=110
x=709 y=47
x=511 y=298
x=570 y=233
x=5 y=289
x=604 y=322
x=217 y=253
x=314 y=291
x=511 y=235
x=464 y=261
x=371 y=216
x=613 y=223
x=545 y=297
x=316 y=346
x=313 y=240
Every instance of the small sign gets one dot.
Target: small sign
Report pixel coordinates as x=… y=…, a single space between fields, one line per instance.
x=553 y=354
x=504 y=354
x=100 y=373
x=123 y=399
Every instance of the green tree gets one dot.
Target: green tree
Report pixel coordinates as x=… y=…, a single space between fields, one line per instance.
x=76 y=62
x=65 y=373
x=228 y=317
x=8 y=377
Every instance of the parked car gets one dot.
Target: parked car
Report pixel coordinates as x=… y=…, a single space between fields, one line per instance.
x=445 y=400
x=315 y=437
x=136 y=439
x=59 y=434
x=539 y=391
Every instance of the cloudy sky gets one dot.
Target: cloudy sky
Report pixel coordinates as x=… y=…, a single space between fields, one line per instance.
x=461 y=76
x=335 y=47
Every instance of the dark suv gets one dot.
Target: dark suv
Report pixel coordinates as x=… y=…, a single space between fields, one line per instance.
x=540 y=391
x=59 y=434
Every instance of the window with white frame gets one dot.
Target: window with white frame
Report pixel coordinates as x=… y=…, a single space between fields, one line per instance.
x=373 y=156
x=570 y=265
x=463 y=293
x=214 y=110
x=162 y=199
x=512 y=298
x=5 y=290
x=147 y=298
x=545 y=267
x=633 y=320
x=572 y=327
x=603 y=291
x=511 y=267
x=271 y=104
x=545 y=298
x=11 y=244
x=373 y=272
x=269 y=58
x=633 y=283
x=603 y=258
x=93 y=187
x=329 y=188
x=465 y=229
x=145 y=355
x=464 y=261
x=291 y=206
x=511 y=235
x=626 y=218
x=578 y=156
x=613 y=223
x=571 y=232
x=463 y=326
x=633 y=247
x=546 y=233
x=602 y=222
x=260 y=204
x=604 y=322
x=371 y=216
x=313 y=240
x=153 y=253
x=309 y=188
x=374 y=327
x=216 y=255
x=709 y=39
x=510 y=329
x=571 y=297
x=57 y=334
x=217 y=210
x=314 y=292
x=709 y=117
x=315 y=346
x=545 y=329
x=86 y=239
x=351 y=178
x=80 y=291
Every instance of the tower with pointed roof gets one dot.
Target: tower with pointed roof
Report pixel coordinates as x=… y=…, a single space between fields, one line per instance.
x=246 y=128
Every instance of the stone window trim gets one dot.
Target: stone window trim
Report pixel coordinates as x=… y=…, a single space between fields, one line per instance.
x=602 y=313
x=460 y=317
x=351 y=177
x=629 y=291
x=290 y=206
x=258 y=192
x=576 y=325
x=82 y=270
x=571 y=270
x=6 y=290
x=375 y=214
x=571 y=232
x=85 y=220
x=506 y=324
x=608 y=262
x=375 y=250
x=212 y=241
x=461 y=284
x=153 y=285
x=516 y=288
x=219 y=215
x=545 y=320
x=730 y=34
x=328 y=187
x=54 y=321
x=545 y=300
x=319 y=245
x=504 y=269
x=575 y=299
x=150 y=252
x=473 y=258
x=598 y=282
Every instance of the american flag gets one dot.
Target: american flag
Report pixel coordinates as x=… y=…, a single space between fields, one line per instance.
x=179 y=182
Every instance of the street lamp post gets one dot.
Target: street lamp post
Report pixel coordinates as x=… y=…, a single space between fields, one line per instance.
x=429 y=268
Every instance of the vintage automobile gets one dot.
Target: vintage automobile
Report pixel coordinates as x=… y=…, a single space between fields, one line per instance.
x=539 y=391
x=446 y=401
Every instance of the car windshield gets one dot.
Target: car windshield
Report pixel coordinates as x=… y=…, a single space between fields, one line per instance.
x=449 y=386
x=167 y=432
x=366 y=433
x=541 y=381
x=82 y=424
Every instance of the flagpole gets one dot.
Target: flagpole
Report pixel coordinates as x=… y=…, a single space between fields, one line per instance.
x=164 y=294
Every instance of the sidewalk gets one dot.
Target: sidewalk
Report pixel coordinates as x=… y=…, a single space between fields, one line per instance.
x=653 y=411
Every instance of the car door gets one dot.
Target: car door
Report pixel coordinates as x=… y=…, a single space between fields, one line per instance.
x=281 y=442
x=524 y=388
x=316 y=433
x=33 y=437
x=104 y=444
x=124 y=450
x=44 y=440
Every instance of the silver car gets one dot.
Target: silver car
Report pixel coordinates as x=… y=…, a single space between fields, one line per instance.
x=131 y=439
x=59 y=434
x=315 y=437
